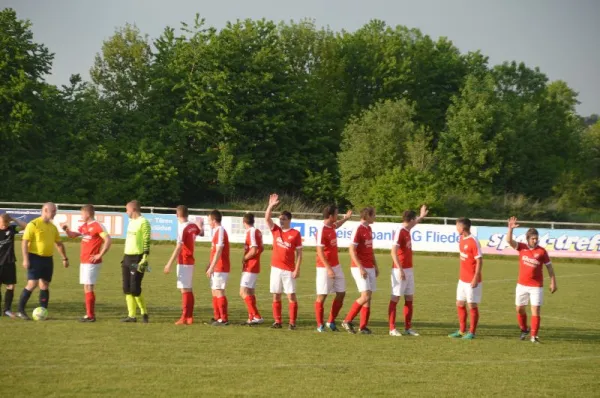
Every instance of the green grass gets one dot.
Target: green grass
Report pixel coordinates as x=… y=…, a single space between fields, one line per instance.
x=61 y=357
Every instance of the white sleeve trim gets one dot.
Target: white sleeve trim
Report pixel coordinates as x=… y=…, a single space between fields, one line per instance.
x=220 y=236
x=253 y=237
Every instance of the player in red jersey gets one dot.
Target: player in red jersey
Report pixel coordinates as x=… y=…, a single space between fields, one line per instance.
x=250 y=269
x=184 y=255
x=285 y=262
x=364 y=270
x=218 y=269
x=403 y=280
x=95 y=242
x=330 y=277
x=530 y=286
x=469 y=284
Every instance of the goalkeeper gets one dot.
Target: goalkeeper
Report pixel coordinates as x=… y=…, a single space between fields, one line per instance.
x=135 y=261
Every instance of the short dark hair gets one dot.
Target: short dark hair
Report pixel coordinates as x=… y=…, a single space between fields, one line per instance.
x=7 y=219
x=409 y=215
x=531 y=232
x=216 y=215
x=465 y=222
x=249 y=218
x=329 y=211
x=287 y=214
x=366 y=212
x=90 y=209
x=183 y=211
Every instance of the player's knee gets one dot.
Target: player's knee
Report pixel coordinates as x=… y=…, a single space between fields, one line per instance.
x=276 y=297
x=292 y=297
x=395 y=299
x=472 y=305
x=408 y=298
x=460 y=303
x=10 y=287
x=340 y=295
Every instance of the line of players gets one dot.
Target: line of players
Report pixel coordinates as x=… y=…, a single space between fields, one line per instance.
x=285 y=268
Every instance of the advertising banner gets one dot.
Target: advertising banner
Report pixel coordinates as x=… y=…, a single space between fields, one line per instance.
x=558 y=242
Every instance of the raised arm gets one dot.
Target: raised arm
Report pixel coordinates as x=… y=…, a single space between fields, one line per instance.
x=70 y=234
x=422 y=215
x=21 y=225
x=273 y=202
x=346 y=217
x=512 y=224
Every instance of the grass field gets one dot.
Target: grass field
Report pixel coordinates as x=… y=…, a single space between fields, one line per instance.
x=61 y=357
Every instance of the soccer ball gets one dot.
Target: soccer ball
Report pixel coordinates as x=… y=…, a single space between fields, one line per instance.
x=40 y=314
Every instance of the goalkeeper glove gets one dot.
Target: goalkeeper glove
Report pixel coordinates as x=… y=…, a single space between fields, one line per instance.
x=143 y=264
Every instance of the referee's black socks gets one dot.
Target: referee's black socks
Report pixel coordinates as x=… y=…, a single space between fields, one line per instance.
x=44 y=297
x=25 y=294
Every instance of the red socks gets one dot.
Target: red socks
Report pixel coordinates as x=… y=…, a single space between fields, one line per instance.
x=408 y=312
x=248 y=301
x=365 y=312
x=319 y=312
x=90 y=303
x=216 y=311
x=535 y=325
x=392 y=314
x=222 y=301
x=336 y=306
x=462 y=318
x=353 y=312
x=474 y=319
x=277 y=311
x=187 y=305
x=255 y=308
x=522 y=318
x=293 y=309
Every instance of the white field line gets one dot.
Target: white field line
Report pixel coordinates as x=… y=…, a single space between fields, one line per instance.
x=265 y=364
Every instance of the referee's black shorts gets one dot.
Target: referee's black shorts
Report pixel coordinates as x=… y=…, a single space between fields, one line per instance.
x=132 y=279
x=40 y=267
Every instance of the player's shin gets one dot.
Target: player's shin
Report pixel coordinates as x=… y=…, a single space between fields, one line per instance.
x=277 y=311
x=392 y=314
x=25 y=295
x=354 y=310
x=319 y=312
x=365 y=313
x=462 y=318
x=336 y=306
x=474 y=319
x=408 y=313
x=8 y=299
x=293 y=311
x=141 y=302
x=131 y=309
x=44 y=297
x=535 y=325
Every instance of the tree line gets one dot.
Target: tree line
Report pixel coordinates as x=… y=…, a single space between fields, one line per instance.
x=383 y=115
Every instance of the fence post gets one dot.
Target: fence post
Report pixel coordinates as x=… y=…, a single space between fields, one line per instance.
x=551 y=225
x=445 y=221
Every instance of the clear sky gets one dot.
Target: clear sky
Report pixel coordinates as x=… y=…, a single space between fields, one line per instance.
x=561 y=37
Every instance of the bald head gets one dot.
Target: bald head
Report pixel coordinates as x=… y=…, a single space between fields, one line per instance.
x=48 y=211
x=133 y=209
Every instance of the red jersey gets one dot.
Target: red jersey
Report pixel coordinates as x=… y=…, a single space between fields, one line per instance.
x=362 y=239
x=327 y=239
x=253 y=239
x=219 y=239
x=92 y=238
x=531 y=265
x=285 y=244
x=403 y=243
x=470 y=251
x=187 y=237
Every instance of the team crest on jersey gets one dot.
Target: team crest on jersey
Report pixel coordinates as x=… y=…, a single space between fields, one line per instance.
x=536 y=255
x=465 y=247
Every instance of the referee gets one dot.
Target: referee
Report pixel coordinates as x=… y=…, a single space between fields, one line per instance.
x=135 y=261
x=38 y=240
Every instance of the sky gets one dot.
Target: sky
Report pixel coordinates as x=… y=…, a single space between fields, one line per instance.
x=560 y=37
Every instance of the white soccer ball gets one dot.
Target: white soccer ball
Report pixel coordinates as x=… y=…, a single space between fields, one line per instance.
x=39 y=314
